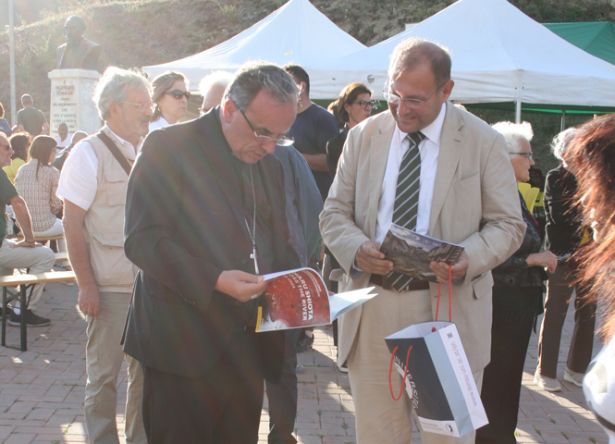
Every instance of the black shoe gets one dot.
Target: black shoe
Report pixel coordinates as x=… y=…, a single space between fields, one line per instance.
x=32 y=319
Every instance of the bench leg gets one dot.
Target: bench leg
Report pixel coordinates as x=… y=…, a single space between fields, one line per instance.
x=5 y=307
x=23 y=306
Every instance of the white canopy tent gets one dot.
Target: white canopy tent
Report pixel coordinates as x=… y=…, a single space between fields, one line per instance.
x=499 y=55
x=297 y=32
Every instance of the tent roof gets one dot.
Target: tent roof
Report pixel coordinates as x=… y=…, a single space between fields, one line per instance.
x=597 y=38
x=499 y=55
x=296 y=32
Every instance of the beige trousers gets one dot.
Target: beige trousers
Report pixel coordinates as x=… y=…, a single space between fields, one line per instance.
x=104 y=357
x=379 y=419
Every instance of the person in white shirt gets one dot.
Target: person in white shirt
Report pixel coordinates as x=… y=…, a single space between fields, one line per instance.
x=93 y=185
x=170 y=96
x=455 y=184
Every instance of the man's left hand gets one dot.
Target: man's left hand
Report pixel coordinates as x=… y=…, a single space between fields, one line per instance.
x=458 y=270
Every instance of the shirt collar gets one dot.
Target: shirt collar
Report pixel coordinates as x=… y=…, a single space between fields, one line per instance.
x=431 y=131
x=118 y=140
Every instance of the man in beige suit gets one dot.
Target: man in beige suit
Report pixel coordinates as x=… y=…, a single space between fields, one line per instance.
x=456 y=184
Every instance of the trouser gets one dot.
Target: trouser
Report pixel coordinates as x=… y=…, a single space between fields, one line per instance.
x=514 y=313
x=221 y=407
x=104 y=357
x=379 y=419
x=282 y=396
x=36 y=260
x=559 y=293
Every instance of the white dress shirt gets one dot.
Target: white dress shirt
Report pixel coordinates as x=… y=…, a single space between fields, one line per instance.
x=78 y=182
x=429 y=149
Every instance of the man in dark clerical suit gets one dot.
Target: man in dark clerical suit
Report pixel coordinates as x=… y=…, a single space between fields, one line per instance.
x=204 y=219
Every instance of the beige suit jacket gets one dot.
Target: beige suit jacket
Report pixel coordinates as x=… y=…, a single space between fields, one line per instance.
x=475 y=203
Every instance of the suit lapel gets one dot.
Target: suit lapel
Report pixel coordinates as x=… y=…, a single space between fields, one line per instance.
x=451 y=142
x=380 y=145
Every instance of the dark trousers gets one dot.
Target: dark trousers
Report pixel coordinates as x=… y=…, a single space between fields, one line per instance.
x=282 y=396
x=514 y=313
x=559 y=293
x=221 y=407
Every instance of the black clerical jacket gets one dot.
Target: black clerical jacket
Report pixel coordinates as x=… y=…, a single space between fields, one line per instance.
x=185 y=224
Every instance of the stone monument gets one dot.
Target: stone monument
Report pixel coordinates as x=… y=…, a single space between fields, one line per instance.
x=74 y=80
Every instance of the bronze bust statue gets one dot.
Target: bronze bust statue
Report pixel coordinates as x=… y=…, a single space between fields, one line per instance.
x=77 y=52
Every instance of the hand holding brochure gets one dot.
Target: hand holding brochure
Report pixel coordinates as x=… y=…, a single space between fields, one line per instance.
x=411 y=252
x=299 y=298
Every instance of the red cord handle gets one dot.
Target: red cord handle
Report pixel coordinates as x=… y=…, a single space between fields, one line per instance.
x=450 y=297
x=401 y=391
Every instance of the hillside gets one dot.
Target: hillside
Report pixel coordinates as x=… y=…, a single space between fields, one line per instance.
x=142 y=32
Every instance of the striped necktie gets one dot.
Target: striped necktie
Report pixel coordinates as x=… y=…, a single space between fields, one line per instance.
x=405 y=209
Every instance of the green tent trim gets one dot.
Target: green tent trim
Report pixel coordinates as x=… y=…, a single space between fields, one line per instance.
x=597 y=38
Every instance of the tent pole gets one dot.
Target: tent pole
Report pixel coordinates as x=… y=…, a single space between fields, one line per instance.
x=13 y=92
x=517 y=111
x=562 y=125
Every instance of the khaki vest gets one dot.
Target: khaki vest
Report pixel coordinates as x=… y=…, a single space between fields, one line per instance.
x=104 y=221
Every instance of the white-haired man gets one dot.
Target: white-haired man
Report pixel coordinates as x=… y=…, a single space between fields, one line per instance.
x=436 y=169
x=93 y=186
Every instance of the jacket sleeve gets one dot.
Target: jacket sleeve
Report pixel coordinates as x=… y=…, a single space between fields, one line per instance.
x=151 y=224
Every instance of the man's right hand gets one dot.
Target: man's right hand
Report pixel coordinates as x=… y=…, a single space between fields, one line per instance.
x=240 y=285
x=371 y=260
x=88 y=300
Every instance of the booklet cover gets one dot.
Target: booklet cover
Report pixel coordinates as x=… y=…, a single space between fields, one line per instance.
x=411 y=252
x=299 y=298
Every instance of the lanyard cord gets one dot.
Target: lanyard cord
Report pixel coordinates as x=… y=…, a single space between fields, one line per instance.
x=252 y=232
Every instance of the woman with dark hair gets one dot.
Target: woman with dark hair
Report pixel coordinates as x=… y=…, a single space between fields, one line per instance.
x=353 y=106
x=170 y=96
x=4 y=124
x=20 y=143
x=36 y=183
x=591 y=156
x=565 y=234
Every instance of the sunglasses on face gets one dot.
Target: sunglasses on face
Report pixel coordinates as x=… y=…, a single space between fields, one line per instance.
x=178 y=94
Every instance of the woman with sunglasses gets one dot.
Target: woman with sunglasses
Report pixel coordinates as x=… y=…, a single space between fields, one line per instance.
x=171 y=99
x=353 y=106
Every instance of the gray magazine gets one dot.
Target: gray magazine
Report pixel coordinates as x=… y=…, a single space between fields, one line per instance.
x=412 y=252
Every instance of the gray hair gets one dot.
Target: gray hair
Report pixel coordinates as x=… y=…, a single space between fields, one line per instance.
x=111 y=88
x=256 y=76
x=413 y=51
x=560 y=142
x=513 y=133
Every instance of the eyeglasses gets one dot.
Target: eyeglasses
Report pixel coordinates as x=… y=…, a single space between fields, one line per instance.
x=282 y=140
x=366 y=103
x=141 y=107
x=178 y=94
x=526 y=155
x=410 y=102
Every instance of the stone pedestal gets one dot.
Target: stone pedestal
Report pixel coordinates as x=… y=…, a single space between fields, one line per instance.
x=71 y=100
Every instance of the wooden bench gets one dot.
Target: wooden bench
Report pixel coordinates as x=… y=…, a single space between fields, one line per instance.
x=27 y=282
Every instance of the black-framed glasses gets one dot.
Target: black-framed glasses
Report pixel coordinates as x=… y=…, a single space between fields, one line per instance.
x=282 y=140
x=178 y=94
x=366 y=103
x=526 y=155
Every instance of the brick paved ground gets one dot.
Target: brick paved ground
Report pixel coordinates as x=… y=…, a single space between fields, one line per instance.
x=41 y=390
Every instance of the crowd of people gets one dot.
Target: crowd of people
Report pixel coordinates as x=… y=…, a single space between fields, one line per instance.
x=171 y=223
